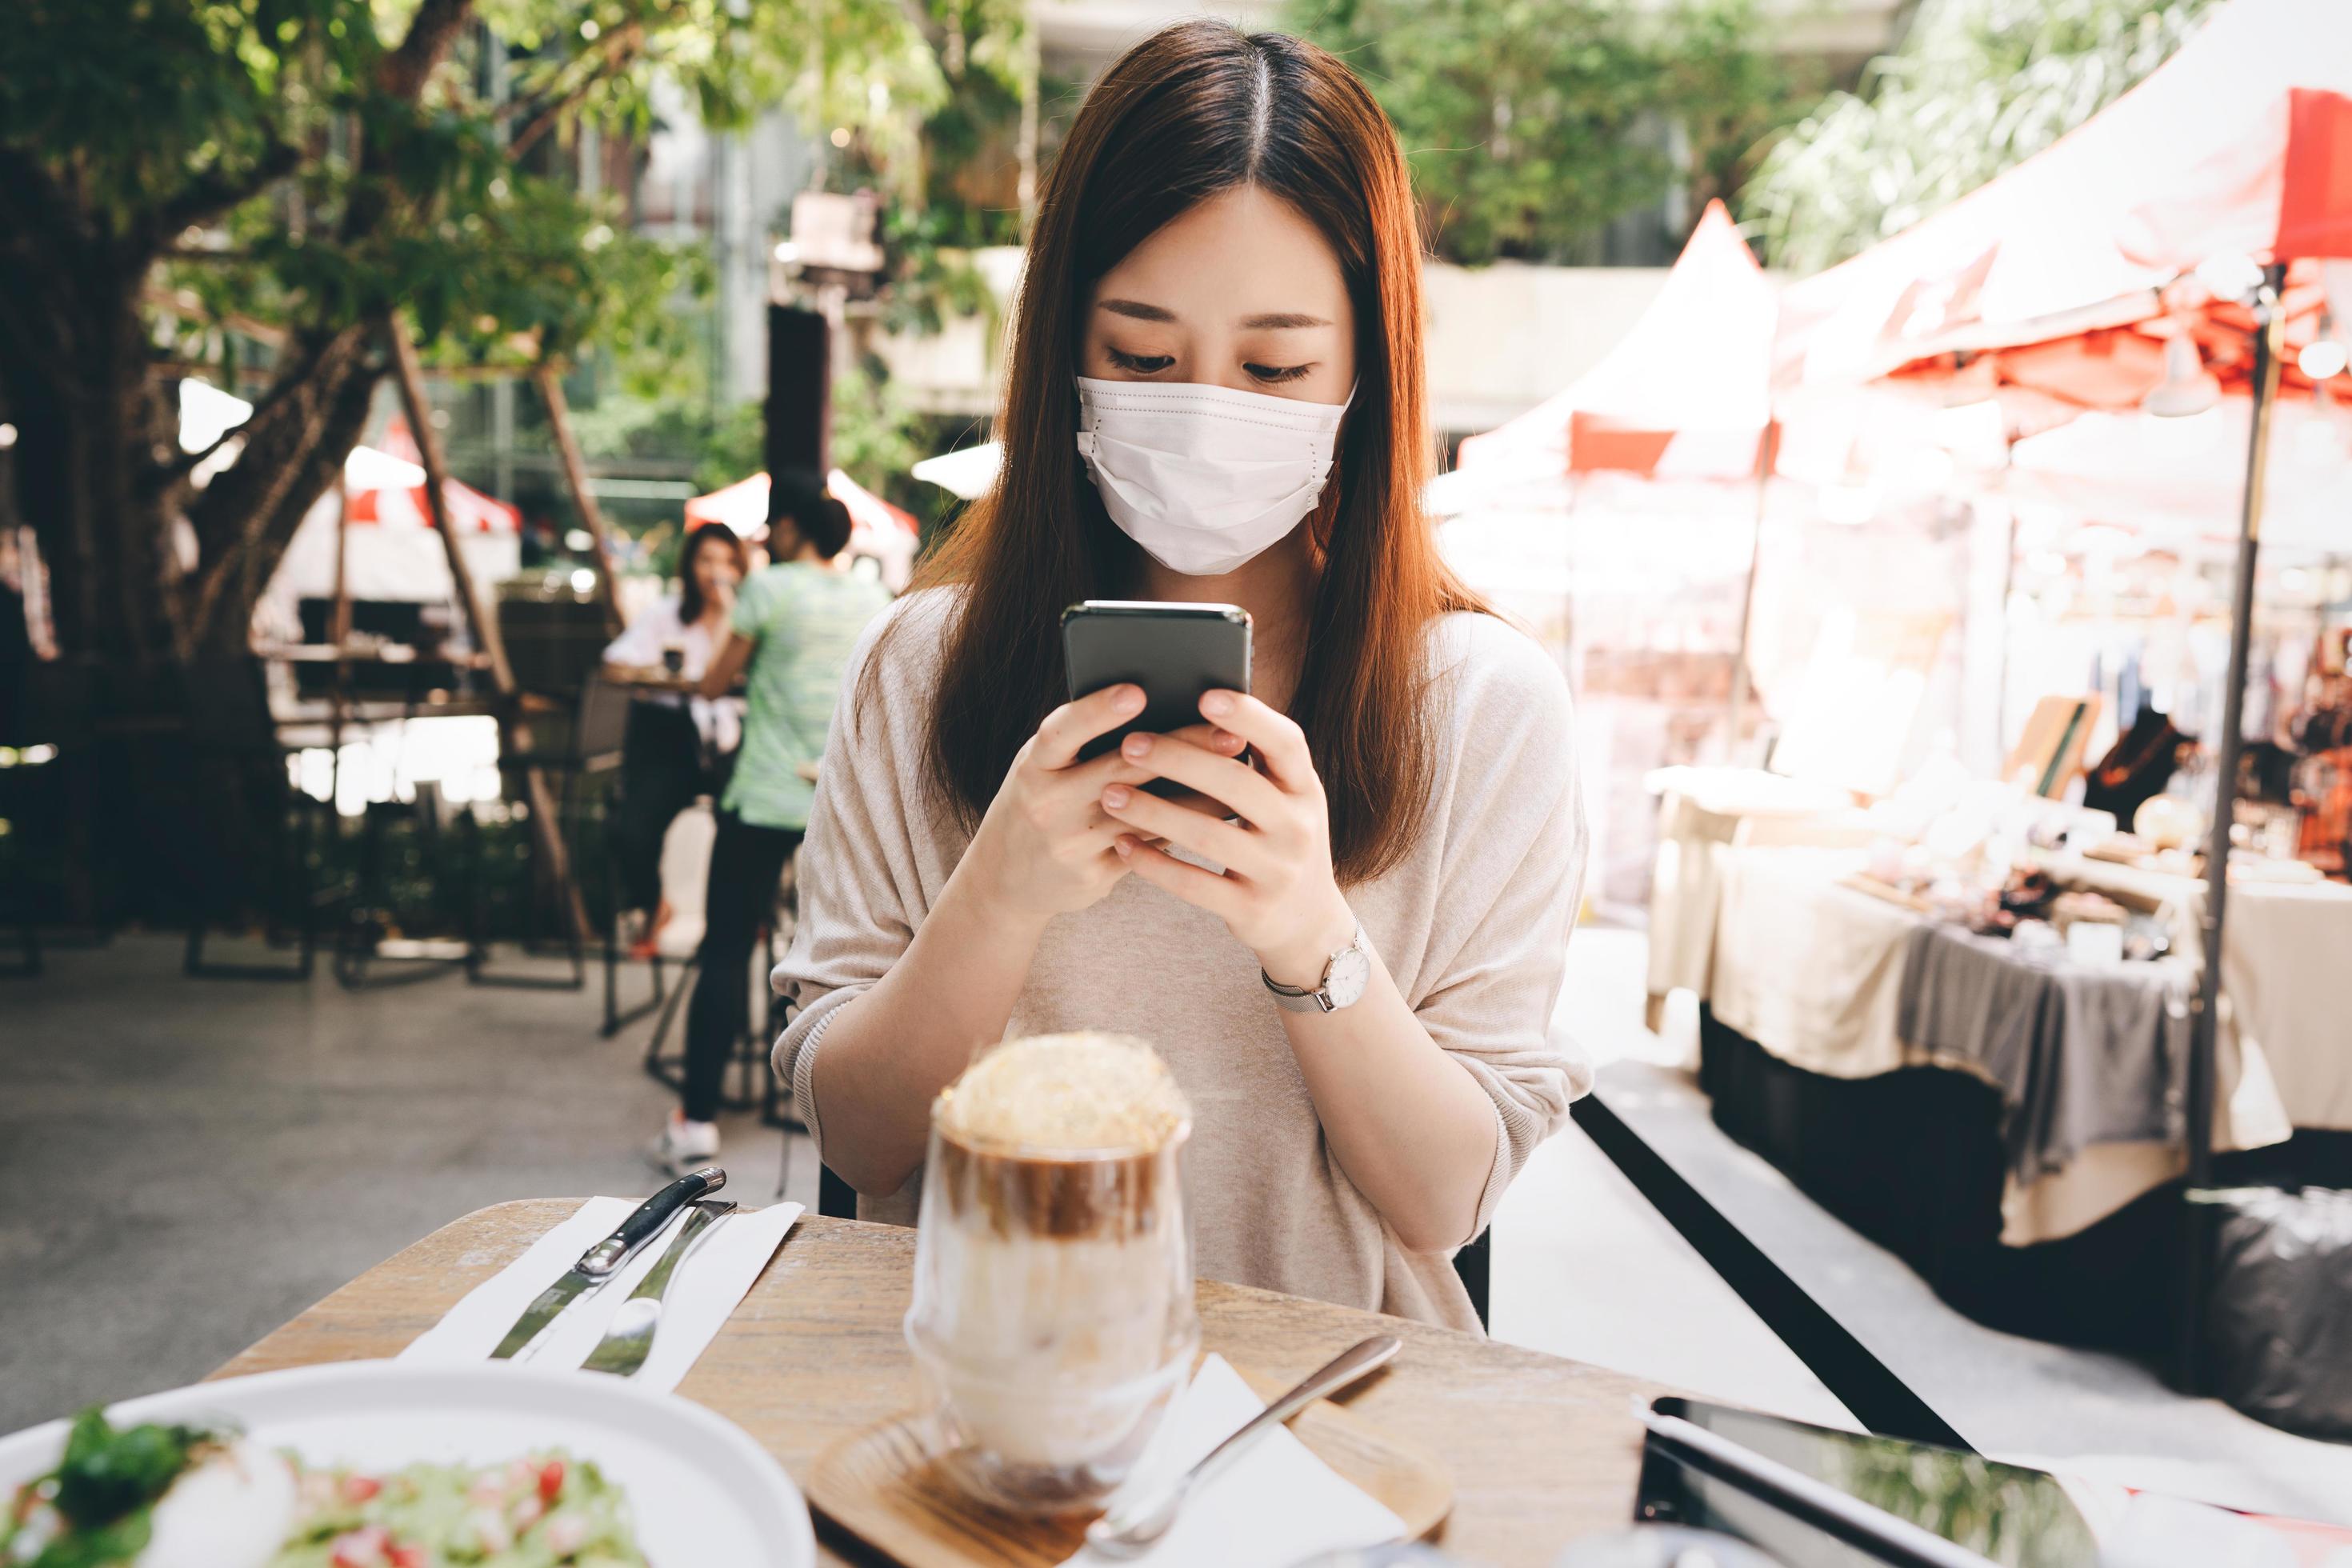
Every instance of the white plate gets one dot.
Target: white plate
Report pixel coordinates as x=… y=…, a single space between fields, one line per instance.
x=704 y=1495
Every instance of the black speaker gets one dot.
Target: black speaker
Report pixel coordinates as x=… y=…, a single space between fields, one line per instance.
x=800 y=390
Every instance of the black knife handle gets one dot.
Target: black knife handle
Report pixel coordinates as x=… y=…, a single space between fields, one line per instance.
x=647 y=1220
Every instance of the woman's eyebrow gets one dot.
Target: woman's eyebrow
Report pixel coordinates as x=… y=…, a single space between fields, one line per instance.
x=1279 y=319
x=1137 y=309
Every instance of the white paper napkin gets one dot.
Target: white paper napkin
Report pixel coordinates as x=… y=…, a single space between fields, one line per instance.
x=1277 y=1506
x=704 y=1291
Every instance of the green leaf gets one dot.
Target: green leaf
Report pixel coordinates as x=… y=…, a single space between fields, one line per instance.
x=1978 y=86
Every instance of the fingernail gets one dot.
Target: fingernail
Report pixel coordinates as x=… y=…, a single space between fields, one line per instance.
x=1130 y=699
x=1126 y=846
x=1228 y=742
x=1115 y=796
x=1136 y=745
x=1217 y=704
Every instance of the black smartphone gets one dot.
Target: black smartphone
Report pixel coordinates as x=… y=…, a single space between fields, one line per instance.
x=1175 y=652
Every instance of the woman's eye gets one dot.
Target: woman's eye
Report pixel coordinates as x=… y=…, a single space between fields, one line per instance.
x=1138 y=364
x=1274 y=373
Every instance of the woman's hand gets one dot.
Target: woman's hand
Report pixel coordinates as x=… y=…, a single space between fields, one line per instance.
x=1277 y=894
x=1044 y=847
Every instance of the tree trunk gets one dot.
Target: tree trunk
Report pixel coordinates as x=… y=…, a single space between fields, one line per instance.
x=174 y=765
x=173 y=776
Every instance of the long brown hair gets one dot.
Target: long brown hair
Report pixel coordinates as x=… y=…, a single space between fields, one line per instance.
x=1197 y=109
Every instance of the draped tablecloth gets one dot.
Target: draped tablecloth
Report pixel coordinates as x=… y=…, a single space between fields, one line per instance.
x=1702 y=812
x=1812 y=970
x=2082 y=1054
x=2286 y=972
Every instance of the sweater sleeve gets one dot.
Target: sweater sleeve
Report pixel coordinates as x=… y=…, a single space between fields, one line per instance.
x=1513 y=875
x=861 y=893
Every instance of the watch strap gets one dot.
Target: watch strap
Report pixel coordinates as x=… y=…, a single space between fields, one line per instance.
x=1315 y=998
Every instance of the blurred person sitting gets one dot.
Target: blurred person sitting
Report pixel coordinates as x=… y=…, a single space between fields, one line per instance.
x=795 y=628
x=678 y=742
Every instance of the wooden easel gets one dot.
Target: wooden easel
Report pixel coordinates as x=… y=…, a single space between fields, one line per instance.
x=546 y=831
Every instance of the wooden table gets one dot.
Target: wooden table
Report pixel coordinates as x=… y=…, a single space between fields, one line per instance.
x=1542 y=1450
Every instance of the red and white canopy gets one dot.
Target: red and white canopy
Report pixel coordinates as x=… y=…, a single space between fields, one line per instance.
x=2239 y=146
x=388 y=487
x=391 y=551
x=1687 y=393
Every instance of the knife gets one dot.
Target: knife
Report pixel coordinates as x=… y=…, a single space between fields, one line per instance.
x=630 y=1340
x=602 y=1261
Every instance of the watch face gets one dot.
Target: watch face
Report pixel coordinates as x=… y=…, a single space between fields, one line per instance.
x=1351 y=971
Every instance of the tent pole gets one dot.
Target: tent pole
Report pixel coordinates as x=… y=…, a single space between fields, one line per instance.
x=575 y=475
x=1737 y=709
x=2204 y=1023
x=546 y=831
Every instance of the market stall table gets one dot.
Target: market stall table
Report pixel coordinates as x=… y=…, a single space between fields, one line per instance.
x=1702 y=814
x=2282 y=974
x=1913 y=1135
x=1542 y=1450
x=1809 y=966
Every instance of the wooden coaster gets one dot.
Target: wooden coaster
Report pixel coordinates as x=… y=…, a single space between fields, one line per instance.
x=883 y=1487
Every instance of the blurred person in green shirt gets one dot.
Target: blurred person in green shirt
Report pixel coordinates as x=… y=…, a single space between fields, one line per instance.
x=794 y=625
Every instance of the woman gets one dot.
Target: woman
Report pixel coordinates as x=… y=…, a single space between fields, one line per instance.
x=794 y=625
x=676 y=747
x=1226 y=246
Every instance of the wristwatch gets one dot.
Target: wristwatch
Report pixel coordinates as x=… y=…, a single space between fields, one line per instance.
x=1345 y=976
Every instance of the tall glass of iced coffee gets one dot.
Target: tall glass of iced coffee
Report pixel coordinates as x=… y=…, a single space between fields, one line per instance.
x=1053 y=1312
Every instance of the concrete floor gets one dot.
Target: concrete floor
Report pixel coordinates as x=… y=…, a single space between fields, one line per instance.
x=186 y=1164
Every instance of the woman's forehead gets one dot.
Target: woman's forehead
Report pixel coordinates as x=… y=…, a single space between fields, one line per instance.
x=1244 y=256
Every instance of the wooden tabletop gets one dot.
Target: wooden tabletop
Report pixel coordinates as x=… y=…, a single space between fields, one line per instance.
x=1542 y=1450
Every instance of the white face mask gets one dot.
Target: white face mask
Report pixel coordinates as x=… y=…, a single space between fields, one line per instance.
x=1203 y=477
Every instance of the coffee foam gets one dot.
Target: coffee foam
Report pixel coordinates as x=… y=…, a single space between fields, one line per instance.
x=1074 y=1093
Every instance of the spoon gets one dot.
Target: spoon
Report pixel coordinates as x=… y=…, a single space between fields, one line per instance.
x=1131 y=1528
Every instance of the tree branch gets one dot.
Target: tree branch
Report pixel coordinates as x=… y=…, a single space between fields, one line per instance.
x=279 y=439
x=232 y=582
x=404 y=71
x=211 y=193
x=619 y=49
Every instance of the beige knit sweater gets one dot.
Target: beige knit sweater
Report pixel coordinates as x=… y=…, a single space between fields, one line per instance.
x=1473 y=925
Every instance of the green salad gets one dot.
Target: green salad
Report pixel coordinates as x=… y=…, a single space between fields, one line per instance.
x=546 y=1510
x=115 y=1501
x=97 y=1507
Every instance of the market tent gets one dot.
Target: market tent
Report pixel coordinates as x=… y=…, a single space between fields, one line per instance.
x=2240 y=145
x=2174 y=482
x=1685 y=395
x=2197 y=209
x=391 y=551
x=877 y=531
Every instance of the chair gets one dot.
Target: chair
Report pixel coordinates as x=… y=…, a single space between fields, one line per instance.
x=235 y=739
x=366 y=957
x=364 y=948
x=600 y=722
x=45 y=814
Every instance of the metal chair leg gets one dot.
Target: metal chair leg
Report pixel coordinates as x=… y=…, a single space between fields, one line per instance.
x=658 y=1067
x=192 y=961
x=562 y=884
